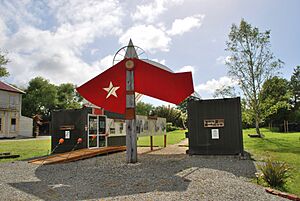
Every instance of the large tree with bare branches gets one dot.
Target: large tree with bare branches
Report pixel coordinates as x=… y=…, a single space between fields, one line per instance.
x=251 y=63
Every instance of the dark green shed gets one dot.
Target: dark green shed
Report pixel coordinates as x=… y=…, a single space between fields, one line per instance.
x=215 y=127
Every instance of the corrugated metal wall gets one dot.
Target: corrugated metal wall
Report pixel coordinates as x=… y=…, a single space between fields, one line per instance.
x=229 y=139
x=77 y=118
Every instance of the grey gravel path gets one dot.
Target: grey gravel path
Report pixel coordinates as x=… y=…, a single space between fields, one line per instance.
x=157 y=176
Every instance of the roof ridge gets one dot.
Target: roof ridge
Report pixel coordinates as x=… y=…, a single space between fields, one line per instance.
x=15 y=89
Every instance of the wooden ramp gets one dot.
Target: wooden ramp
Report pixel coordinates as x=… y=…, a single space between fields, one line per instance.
x=76 y=155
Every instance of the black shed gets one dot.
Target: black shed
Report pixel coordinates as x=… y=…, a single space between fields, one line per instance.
x=215 y=127
x=92 y=126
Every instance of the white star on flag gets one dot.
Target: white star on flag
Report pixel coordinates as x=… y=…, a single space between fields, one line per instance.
x=111 y=90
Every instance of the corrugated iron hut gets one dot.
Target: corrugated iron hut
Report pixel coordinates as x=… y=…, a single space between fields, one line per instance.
x=96 y=128
x=215 y=126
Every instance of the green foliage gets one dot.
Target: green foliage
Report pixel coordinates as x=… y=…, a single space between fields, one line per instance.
x=295 y=86
x=247 y=115
x=183 y=106
x=224 y=92
x=144 y=108
x=274 y=173
x=173 y=115
x=67 y=97
x=251 y=63
x=275 y=99
x=3 y=63
x=170 y=127
x=279 y=147
x=40 y=97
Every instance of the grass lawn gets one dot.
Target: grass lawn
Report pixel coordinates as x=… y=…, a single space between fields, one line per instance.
x=283 y=147
x=25 y=148
x=172 y=138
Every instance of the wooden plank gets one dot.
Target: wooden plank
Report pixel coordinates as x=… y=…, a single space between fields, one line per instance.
x=151 y=143
x=76 y=155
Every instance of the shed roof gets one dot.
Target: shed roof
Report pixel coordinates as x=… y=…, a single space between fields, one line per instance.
x=10 y=88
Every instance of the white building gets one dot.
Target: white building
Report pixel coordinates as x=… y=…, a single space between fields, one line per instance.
x=12 y=123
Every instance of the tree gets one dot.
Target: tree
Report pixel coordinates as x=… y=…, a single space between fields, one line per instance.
x=224 y=92
x=275 y=99
x=144 y=108
x=3 y=63
x=247 y=115
x=295 y=86
x=40 y=98
x=183 y=105
x=67 y=97
x=173 y=115
x=251 y=63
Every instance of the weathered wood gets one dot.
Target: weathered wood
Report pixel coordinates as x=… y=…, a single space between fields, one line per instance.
x=151 y=142
x=76 y=155
x=165 y=140
x=131 y=136
x=9 y=156
x=131 y=141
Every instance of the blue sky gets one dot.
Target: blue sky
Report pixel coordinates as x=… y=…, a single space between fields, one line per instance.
x=75 y=40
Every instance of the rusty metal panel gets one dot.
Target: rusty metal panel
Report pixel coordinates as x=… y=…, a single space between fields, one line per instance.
x=215 y=126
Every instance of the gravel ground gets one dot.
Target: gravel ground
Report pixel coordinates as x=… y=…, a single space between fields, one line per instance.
x=165 y=174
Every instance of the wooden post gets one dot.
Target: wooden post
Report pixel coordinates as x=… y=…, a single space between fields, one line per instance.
x=131 y=137
x=165 y=140
x=285 y=126
x=151 y=143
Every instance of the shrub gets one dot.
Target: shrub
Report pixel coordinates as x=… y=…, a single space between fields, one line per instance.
x=274 y=173
x=170 y=127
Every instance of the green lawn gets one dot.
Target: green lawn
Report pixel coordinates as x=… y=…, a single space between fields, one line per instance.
x=25 y=148
x=283 y=147
x=172 y=138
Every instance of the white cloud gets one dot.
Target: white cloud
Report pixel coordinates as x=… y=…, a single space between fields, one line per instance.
x=187 y=69
x=211 y=85
x=223 y=59
x=151 y=11
x=51 y=38
x=163 y=61
x=55 y=53
x=3 y=30
x=149 y=37
x=104 y=63
x=94 y=51
x=180 y=26
x=157 y=38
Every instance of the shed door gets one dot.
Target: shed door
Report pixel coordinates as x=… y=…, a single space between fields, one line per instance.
x=96 y=131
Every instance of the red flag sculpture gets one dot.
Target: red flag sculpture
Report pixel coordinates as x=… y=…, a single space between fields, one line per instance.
x=108 y=90
x=164 y=85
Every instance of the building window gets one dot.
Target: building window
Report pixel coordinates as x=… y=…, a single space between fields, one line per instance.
x=13 y=123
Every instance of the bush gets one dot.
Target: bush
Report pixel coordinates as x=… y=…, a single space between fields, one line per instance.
x=170 y=127
x=274 y=173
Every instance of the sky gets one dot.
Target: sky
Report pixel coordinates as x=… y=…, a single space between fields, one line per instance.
x=75 y=40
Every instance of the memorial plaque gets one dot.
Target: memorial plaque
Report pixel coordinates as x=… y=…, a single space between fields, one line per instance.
x=214 y=123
